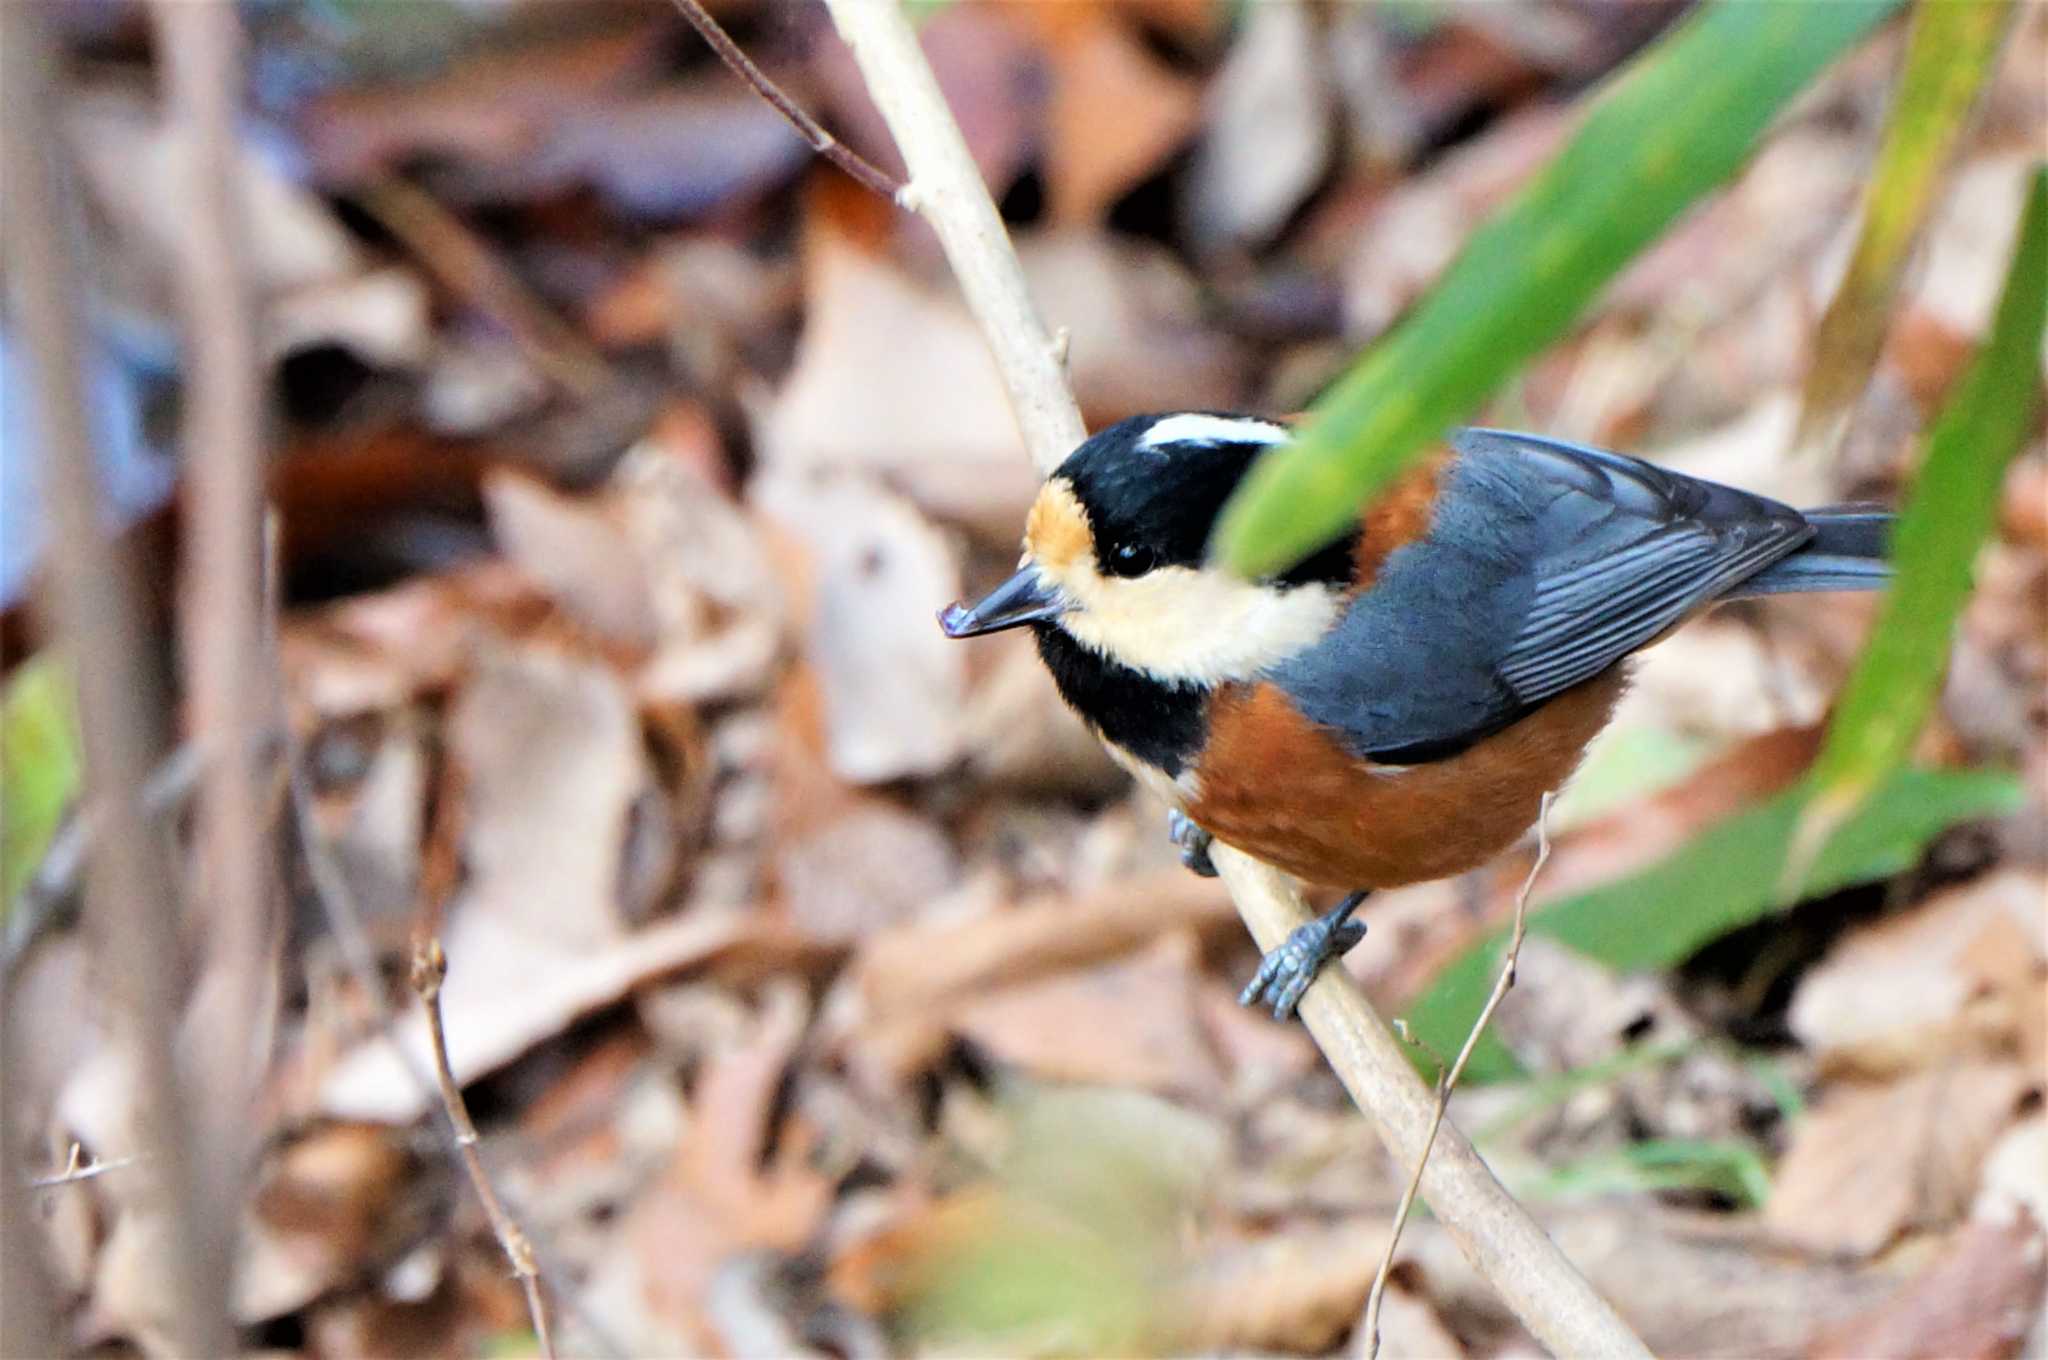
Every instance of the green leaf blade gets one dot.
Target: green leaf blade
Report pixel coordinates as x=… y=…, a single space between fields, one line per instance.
x=1948 y=516
x=1680 y=120
x=1949 y=57
x=1724 y=878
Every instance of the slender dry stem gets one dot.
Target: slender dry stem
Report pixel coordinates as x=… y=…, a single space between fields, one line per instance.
x=77 y=1169
x=466 y=267
x=1448 y=1081
x=1495 y=1233
x=863 y=170
x=946 y=190
x=429 y=970
x=131 y=898
x=220 y=628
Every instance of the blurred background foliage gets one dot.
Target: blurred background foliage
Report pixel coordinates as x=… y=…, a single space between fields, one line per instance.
x=819 y=985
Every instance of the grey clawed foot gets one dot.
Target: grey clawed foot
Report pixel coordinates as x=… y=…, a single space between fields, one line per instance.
x=1193 y=842
x=1285 y=973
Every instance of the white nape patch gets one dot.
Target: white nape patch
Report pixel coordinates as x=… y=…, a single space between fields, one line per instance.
x=1189 y=626
x=1194 y=428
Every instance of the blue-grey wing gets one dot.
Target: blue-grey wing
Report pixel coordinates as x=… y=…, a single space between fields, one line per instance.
x=1544 y=564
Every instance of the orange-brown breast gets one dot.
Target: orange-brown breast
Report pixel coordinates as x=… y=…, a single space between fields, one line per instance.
x=1399 y=515
x=1284 y=789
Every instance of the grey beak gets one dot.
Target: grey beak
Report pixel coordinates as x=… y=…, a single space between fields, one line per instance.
x=1024 y=598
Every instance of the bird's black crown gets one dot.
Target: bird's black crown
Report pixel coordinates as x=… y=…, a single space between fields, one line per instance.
x=1156 y=507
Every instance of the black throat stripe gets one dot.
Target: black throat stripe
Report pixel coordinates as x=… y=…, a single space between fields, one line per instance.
x=1158 y=722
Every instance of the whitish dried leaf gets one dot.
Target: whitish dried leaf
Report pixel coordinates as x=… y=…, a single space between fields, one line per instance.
x=922 y=969
x=1970 y=240
x=1409 y=1329
x=1125 y=1024
x=508 y=990
x=137 y=170
x=1871 y=1161
x=1952 y=974
x=894 y=685
x=575 y=551
x=1139 y=338
x=926 y=410
x=551 y=751
x=1974 y=1303
x=1271 y=128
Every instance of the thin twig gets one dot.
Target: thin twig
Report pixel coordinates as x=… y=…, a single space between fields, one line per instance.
x=429 y=969
x=947 y=191
x=344 y=916
x=455 y=255
x=77 y=1169
x=1448 y=1081
x=132 y=896
x=1534 y=1278
x=233 y=1014
x=824 y=143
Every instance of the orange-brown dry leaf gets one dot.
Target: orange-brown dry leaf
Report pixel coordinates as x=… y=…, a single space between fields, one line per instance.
x=1976 y=1302
x=1116 y=113
x=924 y=969
x=334 y=1204
x=1872 y=1161
x=1130 y=1023
x=1296 y=1290
x=474 y=1303
x=716 y=1197
x=1960 y=973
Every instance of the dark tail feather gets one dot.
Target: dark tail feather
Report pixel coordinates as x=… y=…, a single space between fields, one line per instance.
x=1848 y=552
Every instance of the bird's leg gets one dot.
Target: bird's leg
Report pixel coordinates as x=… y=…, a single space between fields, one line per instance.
x=1285 y=973
x=1193 y=843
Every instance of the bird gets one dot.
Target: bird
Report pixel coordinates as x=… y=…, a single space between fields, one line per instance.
x=1394 y=707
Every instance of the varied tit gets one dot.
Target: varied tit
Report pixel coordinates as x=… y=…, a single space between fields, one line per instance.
x=1393 y=708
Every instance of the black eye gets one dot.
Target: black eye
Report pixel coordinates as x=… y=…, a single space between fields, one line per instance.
x=1132 y=559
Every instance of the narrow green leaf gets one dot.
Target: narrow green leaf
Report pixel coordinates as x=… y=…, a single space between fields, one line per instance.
x=1948 y=61
x=1679 y=121
x=1724 y=878
x=39 y=766
x=1950 y=512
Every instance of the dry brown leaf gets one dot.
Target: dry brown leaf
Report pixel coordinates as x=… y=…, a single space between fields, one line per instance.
x=490 y=107
x=1955 y=974
x=1869 y=1162
x=892 y=376
x=574 y=551
x=894 y=686
x=551 y=750
x=1295 y=1290
x=1272 y=127
x=921 y=970
x=333 y=1204
x=871 y=868
x=508 y=990
x=723 y=1193
x=1974 y=1303
x=1127 y=1024
x=1409 y=1329
x=1115 y=114
x=1140 y=339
